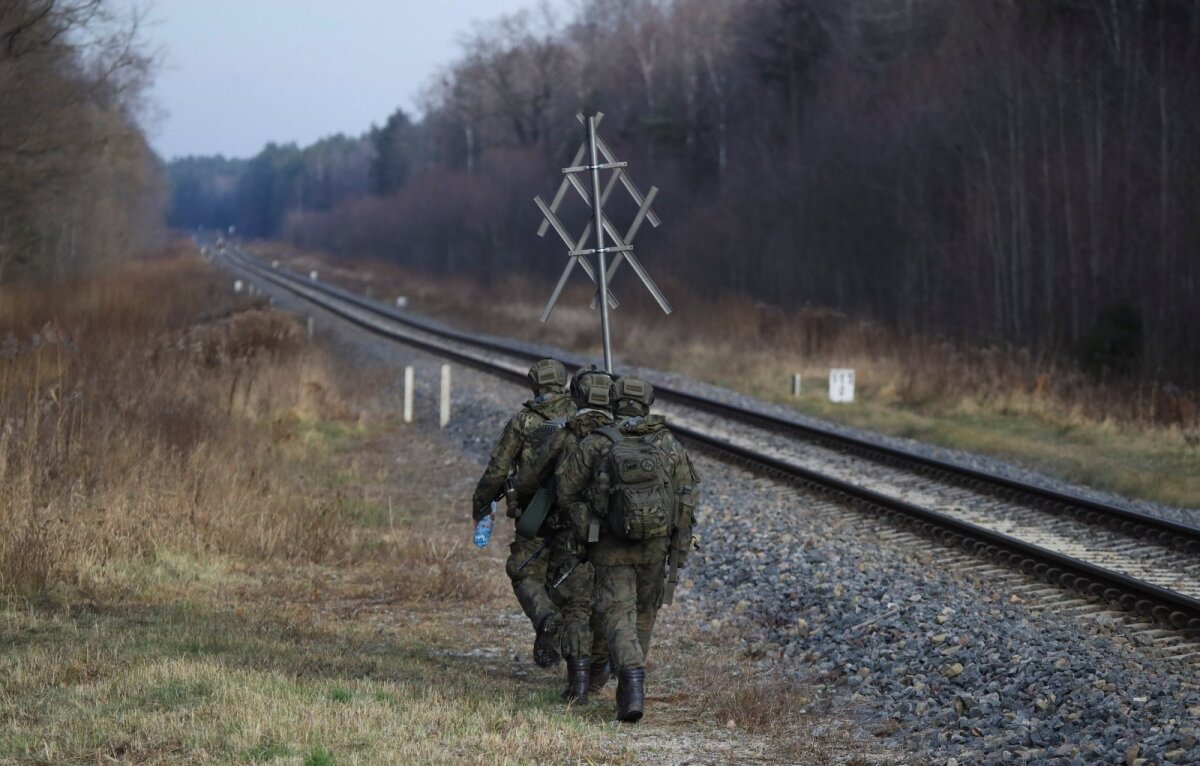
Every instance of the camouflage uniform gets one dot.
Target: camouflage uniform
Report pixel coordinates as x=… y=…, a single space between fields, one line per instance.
x=575 y=594
x=629 y=575
x=514 y=449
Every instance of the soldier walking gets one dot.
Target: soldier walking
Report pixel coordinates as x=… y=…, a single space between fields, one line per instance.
x=571 y=576
x=525 y=566
x=630 y=491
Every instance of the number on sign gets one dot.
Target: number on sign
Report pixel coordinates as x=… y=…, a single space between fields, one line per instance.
x=841 y=385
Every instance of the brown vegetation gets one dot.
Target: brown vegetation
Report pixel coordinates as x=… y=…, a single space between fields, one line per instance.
x=134 y=423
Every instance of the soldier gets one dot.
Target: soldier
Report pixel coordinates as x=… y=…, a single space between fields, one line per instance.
x=631 y=492
x=571 y=577
x=548 y=379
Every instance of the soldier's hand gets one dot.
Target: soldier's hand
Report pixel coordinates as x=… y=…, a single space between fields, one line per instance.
x=477 y=514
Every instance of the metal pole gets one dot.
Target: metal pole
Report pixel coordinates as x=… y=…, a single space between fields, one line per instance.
x=408 y=394
x=599 y=225
x=444 y=414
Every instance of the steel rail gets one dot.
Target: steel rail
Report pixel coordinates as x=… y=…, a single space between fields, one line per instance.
x=1161 y=604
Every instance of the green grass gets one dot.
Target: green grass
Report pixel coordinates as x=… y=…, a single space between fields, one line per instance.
x=319 y=757
x=1127 y=461
x=1135 y=462
x=194 y=677
x=338 y=694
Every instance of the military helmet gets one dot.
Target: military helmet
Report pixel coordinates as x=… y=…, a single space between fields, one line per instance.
x=547 y=374
x=591 y=388
x=634 y=389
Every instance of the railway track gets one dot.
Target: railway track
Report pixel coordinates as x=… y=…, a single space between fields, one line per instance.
x=1111 y=556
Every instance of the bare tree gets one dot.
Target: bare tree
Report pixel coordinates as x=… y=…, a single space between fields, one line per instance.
x=80 y=184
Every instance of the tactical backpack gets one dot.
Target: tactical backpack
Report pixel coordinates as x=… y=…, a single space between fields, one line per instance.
x=632 y=487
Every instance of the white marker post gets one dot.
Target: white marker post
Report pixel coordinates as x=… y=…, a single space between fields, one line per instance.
x=237 y=285
x=444 y=415
x=312 y=327
x=312 y=275
x=796 y=385
x=401 y=302
x=841 y=385
x=408 y=394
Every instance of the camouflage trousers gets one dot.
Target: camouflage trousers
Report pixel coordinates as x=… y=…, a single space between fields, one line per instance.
x=627 y=601
x=529 y=584
x=581 y=636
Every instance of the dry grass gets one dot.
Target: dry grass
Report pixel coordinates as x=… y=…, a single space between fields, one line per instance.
x=1142 y=441
x=221 y=551
x=134 y=423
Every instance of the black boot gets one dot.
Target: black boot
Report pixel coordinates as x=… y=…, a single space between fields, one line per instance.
x=631 y=694
x=545 y=646
x=600 y=674
x=579 y=670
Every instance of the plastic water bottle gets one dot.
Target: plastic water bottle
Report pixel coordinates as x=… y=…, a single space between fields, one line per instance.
x=483 y=530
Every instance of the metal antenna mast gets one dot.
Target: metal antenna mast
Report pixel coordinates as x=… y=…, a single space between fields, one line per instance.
x=598 y=216
x=594 y=149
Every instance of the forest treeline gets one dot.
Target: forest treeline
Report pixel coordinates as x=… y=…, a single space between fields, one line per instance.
x=1020 y=172
x=78 y=184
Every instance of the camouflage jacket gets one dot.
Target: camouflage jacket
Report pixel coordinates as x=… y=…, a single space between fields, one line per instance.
x=576 y=470
x=537 y=471
x=515 y=446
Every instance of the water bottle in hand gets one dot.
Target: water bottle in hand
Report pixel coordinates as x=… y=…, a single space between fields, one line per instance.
x=483 y=530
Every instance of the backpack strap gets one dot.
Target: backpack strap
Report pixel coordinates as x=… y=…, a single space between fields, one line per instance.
x=612 y=432
x=599 y=503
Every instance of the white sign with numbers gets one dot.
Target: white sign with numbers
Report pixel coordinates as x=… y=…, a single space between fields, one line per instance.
x=841 y=385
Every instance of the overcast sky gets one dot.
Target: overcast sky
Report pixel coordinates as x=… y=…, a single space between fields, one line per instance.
x=240 y=73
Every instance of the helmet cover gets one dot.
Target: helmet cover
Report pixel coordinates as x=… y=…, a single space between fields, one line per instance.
x=547 y=374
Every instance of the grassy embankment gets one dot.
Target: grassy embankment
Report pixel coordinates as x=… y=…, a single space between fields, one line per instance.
x=217 y=550
x=1141 y=442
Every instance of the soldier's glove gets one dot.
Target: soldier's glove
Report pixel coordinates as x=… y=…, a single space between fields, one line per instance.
x=477 y=514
